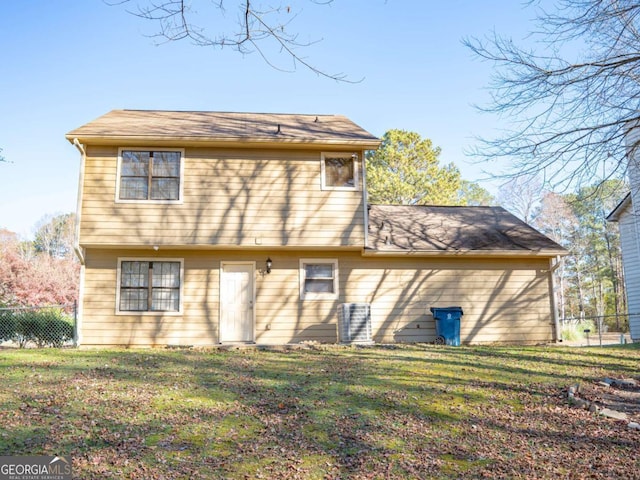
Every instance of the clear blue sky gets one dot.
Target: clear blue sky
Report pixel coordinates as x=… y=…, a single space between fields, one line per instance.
x=67 y=62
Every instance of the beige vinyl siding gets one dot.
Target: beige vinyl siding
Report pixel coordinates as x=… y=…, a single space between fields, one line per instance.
x=504 y=300
x=101 y=326
x=280 y=316
x=231 y=197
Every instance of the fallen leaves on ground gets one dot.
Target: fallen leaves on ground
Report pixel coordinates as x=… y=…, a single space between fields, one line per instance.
x=317 y=413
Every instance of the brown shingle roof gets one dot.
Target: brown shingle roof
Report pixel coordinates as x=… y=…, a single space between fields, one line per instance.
x=225 y=127
x=483 y=230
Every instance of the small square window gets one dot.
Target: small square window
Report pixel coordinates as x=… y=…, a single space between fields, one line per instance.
x=339 y=171
x=318 y=279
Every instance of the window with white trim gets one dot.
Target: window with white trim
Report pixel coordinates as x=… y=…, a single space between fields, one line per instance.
x=149 y=285
x=318 y=279
x=150 y=175
x=339 y=171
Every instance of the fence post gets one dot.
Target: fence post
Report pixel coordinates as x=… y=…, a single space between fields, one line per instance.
x=600 y=323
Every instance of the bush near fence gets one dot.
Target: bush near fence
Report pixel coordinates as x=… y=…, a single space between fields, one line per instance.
x=574 y=329
x=41 y=327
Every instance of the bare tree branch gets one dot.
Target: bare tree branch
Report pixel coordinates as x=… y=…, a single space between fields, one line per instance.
x=257 y=28
x=571 y=101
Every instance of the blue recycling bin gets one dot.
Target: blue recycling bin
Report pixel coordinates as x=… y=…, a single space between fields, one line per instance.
x=447 y=325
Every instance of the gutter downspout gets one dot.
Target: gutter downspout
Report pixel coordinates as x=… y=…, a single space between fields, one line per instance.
x=76 y=246
x=365 y=202
x=83 y=156
x=554 y=304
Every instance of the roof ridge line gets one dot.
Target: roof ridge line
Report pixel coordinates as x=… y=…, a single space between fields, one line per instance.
x=228 y=112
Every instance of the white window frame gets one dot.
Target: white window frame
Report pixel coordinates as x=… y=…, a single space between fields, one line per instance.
x=356 y=170
x=315 y=295
x=180 y=199
x=145 y=312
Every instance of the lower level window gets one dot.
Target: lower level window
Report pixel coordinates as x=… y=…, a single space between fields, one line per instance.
x=149 y=286
x=318 y=279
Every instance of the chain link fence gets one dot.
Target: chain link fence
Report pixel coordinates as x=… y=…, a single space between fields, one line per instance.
x=594 y=330
x=40 y=327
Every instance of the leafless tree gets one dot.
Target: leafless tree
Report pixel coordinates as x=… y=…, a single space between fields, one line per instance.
x=54 y=236
x=557 y=220
x=246 y=26
x=572 y=96
x=521 y=196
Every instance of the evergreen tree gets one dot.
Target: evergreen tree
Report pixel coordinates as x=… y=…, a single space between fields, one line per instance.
x=405 y=170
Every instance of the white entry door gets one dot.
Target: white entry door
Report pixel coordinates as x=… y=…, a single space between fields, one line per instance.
x=236 y=302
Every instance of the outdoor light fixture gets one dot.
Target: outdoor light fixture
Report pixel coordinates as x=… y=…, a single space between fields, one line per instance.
x=269 y=263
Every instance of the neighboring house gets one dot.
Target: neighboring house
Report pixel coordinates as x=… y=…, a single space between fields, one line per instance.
x=200 y=228
x=627 y=214
x=627 y=220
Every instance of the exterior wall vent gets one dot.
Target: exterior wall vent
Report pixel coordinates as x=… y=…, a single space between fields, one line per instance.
x=354 y=323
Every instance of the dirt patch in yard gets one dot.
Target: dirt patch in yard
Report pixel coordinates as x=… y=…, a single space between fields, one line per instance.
x=617 y=394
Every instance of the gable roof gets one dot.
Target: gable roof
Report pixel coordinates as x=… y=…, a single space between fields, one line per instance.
x=454 y=230
x=141 y=126
x=625 y=203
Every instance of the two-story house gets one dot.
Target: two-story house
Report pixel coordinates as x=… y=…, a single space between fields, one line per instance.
x=201 y=228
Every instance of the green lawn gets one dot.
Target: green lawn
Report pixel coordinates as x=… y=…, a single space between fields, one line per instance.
x=322 y=413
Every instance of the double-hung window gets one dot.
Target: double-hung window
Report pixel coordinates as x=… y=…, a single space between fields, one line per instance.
x=150 y=175
x=318 y=279
x=339 y=171
x=149 y=285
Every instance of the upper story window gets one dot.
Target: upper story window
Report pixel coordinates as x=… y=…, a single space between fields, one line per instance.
x=339 y=171
x=150 y=175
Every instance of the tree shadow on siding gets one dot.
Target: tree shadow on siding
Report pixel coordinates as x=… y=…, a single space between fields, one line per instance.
x=400 y=309
x=520 y=305
x=228 y=202
x=401 y=302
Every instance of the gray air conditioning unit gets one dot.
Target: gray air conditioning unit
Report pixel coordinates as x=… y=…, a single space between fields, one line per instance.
x=354 y=323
